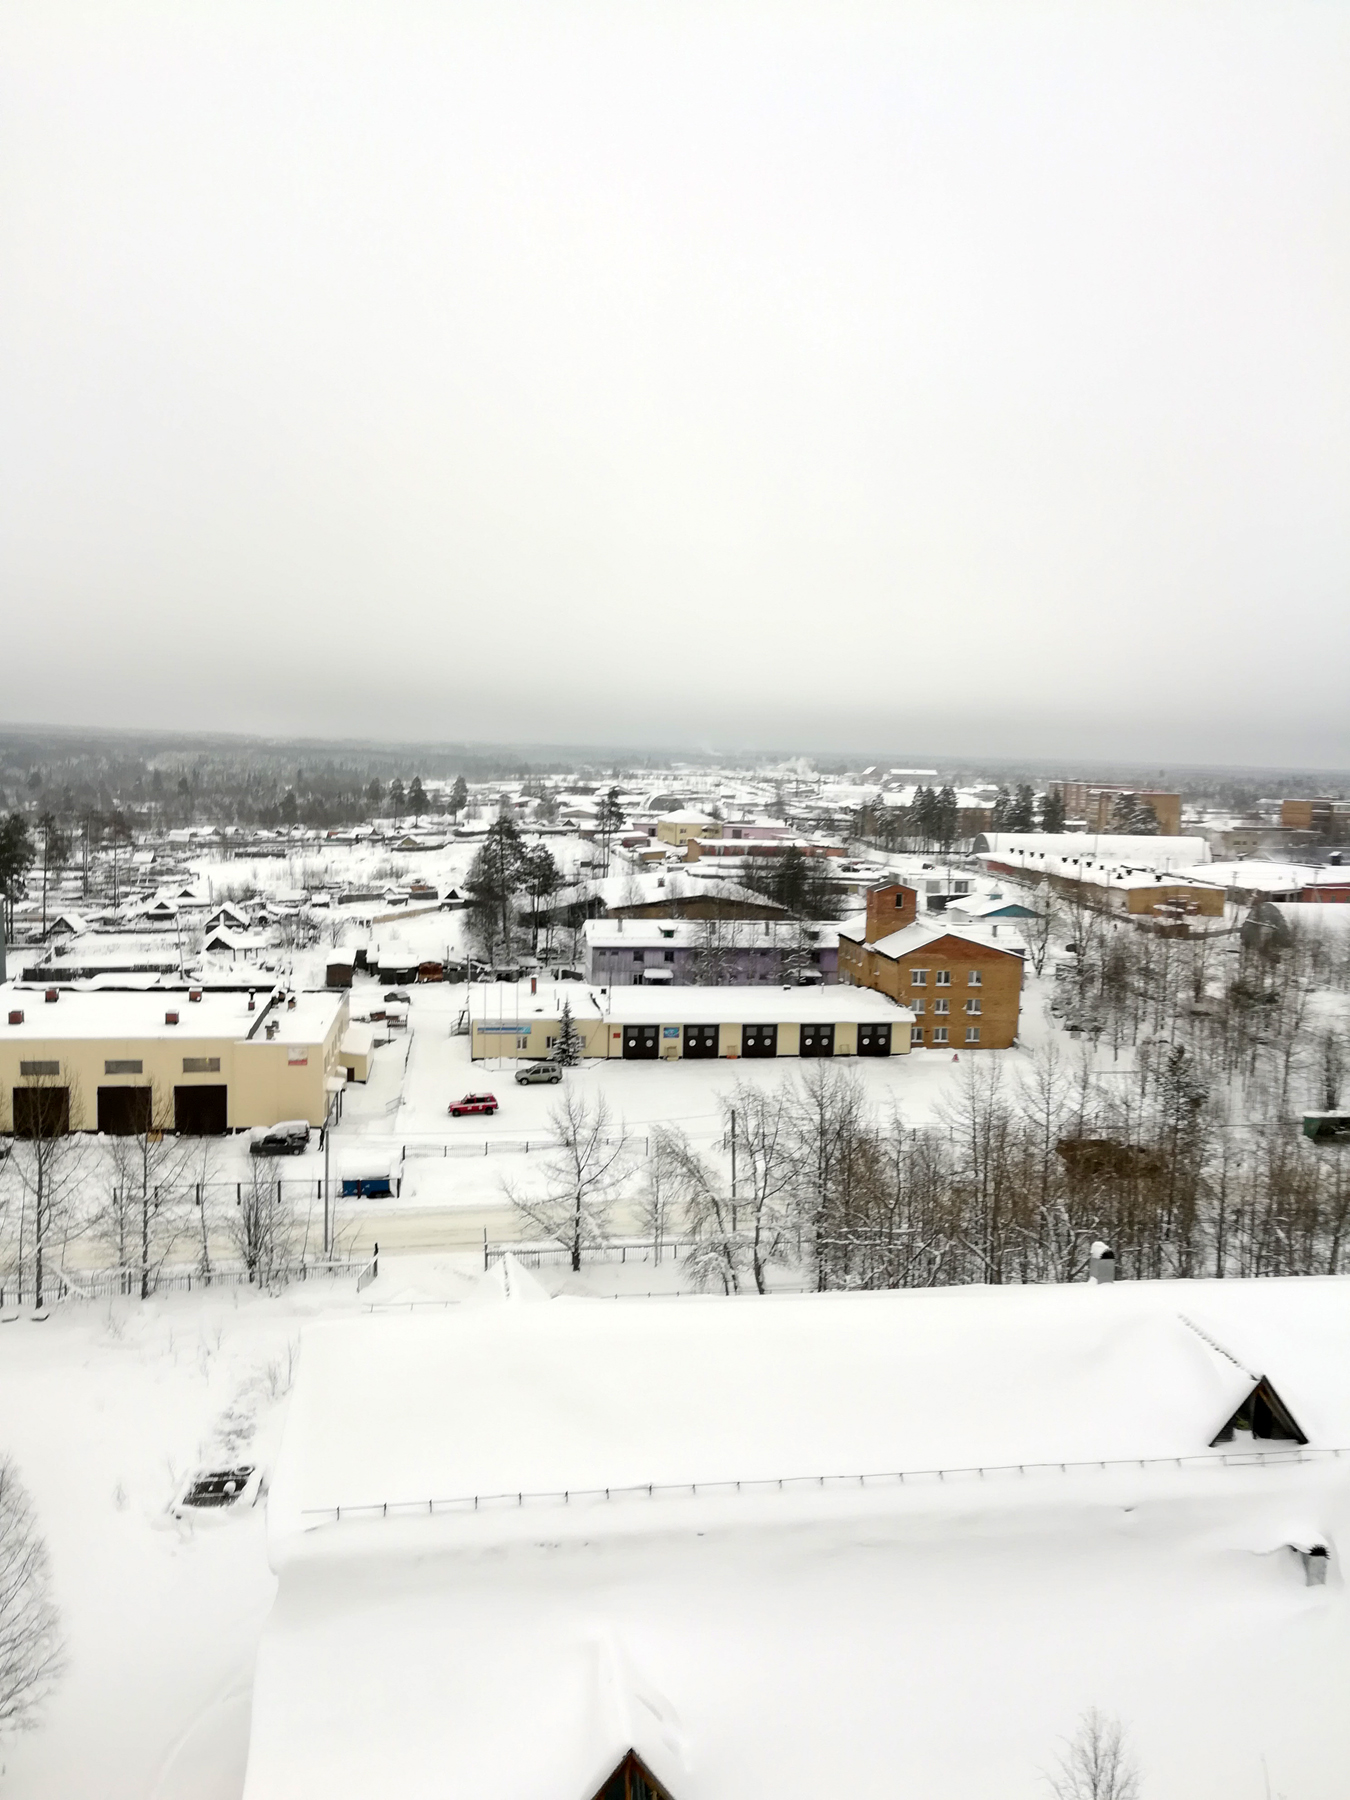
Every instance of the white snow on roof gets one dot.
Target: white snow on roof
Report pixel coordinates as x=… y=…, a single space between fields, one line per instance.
x=656 y=934
x=806 y=1385
x=1153 y=853
x=817 y=1639
x=1260 y=876
x=994 y=935
x=502 y=1003
x=82 y=1012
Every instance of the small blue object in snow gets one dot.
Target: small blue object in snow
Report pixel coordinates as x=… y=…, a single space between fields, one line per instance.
x=365 y=1184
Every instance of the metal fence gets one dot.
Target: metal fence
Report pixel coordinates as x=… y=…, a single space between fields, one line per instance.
x=534 y=1253
x=125 y=1283
x=788 y=1484
x=640 y=1146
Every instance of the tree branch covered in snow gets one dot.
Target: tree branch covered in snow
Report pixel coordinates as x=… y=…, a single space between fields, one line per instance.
x=30 y=1637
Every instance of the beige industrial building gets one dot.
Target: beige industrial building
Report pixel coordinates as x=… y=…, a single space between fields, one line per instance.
x=673 y=1023
x=179 y=1059
x=678 y=827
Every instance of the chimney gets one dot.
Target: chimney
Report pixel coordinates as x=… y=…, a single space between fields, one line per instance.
x=889 y=909
x=534 y=984
x=16 y=1018
x=52 y=996
x=1314 y=1565
x=195 y=994
x=1101 y=1263
x=171 y=1018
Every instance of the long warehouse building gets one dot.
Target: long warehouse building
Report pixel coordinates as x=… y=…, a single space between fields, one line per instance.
x=668 y=1023
x=186 y=1059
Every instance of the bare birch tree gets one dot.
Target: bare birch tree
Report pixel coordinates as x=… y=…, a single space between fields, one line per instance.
x=261 y=1226
x=47 y=1164
x=31 y=1655
x=583 y=1176
x=1097 y=1763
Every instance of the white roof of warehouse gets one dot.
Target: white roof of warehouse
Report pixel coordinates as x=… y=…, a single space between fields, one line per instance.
x=1021 y=847
x=1259 y=875
x=82 y=1012
x=500 y=1003
x=797 y=1643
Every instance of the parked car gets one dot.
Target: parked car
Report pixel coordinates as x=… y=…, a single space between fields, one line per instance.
x=289 y=1138
x=398 y=994
x=473 y=1103
x=538 y=1071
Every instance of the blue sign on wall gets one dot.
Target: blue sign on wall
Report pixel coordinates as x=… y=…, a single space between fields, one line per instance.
x=670 y=1031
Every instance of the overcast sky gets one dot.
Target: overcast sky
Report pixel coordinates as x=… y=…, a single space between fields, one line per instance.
x=970 y=378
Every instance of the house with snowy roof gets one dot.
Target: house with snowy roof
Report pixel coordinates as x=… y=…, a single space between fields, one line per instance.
x=802 y=1546
x=963 y=984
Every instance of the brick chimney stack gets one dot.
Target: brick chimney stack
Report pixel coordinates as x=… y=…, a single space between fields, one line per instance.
x=890 y=909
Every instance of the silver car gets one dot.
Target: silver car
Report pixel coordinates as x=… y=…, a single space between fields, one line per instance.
x=539 y=1071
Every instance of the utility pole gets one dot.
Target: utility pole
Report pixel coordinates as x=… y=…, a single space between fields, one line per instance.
x=327 y=1135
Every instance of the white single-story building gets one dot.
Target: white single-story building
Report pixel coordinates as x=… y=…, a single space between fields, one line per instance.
x=648 y=1022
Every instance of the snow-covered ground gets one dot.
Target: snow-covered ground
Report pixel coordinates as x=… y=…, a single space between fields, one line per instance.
x=1006 y=1608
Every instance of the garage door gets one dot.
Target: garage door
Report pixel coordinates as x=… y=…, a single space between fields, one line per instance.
x=817 y=1040
x=874 y=1040
x=123 y=1111
x=41 y=1112
x=641 y=1040
x=200 y=1111
x=701 y=1040
x=759 y=1040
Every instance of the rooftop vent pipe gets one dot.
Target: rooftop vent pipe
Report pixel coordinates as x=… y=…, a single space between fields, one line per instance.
x=1101 y=1263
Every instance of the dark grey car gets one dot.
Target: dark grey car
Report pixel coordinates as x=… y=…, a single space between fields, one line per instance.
x=539 y=1071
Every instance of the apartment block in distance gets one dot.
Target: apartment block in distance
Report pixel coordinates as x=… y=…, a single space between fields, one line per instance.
x=1095 y=804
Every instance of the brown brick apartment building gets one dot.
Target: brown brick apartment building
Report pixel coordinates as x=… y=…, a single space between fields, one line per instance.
x=964 y=988
x=1095 y=805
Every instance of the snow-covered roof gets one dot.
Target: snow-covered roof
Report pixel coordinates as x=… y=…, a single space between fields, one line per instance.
x=681 y=882
x=672 y=1549
x=988 y=906
x=991 y=936
x=1021 y=847
x=1258 y=876
x=82 y=1012
x=495 y=1003
x=655 y=934
x=815 y=1384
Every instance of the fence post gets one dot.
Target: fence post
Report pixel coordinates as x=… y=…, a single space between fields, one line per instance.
x=485 y=1254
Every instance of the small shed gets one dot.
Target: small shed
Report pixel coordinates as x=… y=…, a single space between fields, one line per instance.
x=338 y=969
x=358 y=1046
